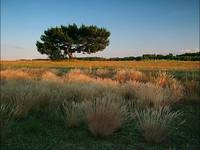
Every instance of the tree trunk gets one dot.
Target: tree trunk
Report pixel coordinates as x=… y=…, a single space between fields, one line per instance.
x=70 y=55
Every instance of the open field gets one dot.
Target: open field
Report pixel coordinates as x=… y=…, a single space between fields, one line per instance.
x=102 y=106
x=138 y=65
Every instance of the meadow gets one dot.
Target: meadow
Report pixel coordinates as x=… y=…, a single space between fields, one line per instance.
x=100 y=105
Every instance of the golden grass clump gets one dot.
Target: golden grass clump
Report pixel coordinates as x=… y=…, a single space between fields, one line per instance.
x=106 y=82
x=50 y=76
x=148 y=94
x=127 y=75
x=163 y=79
x=103 y=73
x=105 y=115
x=157 y=124
x=76 y=75
x=14 y=74
x=174 y=87
x=34 y=73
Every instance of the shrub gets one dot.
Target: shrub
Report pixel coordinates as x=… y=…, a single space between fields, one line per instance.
x=105 y=115
x=157 y=124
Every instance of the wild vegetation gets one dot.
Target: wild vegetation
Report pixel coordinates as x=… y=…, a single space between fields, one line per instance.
x=99 y=109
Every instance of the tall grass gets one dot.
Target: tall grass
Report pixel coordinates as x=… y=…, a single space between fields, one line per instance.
x=129 y=75
x=7 y=109
x=105 y=115
x=72 y=113
x=157 y=124
x=174 y=87
x=102 y=103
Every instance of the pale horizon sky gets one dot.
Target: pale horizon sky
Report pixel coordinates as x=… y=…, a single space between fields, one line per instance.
x=137 y=26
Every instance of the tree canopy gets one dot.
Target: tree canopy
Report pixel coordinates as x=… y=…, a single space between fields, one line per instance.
x=61 y=42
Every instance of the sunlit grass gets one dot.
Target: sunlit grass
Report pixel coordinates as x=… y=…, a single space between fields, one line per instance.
x=144 y=65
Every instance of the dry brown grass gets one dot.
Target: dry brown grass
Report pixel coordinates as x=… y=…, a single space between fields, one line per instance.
x=129 y=75
x=191 y=89
x=145 y=65
x=174 y=87
x=81 y=77
x=104 y=73
x=30 y=95
x=14 y=74
x=76 y=75
x=157 y=124
x=50 y=76
x=72 y=113
x=105 y=115
x=148 y=94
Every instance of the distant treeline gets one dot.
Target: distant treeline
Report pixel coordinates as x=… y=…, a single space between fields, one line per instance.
x=185 y=57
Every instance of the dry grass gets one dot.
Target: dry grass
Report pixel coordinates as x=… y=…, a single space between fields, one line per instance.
x=14 y=74
x=99 y=102
x=129 y=75
x=148 y=94
x=30 y=95
x=157 y=124
x=191 y=89
x=72 y=113
x=78 y=76
x=105 y=115
x=7 y=109
x=174 y=87
x=50 y=76
x=104 y=73
x=144 y=65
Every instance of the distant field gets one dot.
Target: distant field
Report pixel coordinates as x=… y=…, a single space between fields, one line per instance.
x=138 y=65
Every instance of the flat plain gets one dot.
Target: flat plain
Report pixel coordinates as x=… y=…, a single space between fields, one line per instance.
x=100 y=105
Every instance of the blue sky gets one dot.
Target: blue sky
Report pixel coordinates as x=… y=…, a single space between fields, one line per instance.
x=136 y=26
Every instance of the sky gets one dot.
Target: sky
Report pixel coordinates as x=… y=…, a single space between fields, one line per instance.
x=137 y=26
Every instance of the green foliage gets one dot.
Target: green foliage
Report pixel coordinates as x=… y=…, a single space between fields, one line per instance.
x=63 y=41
